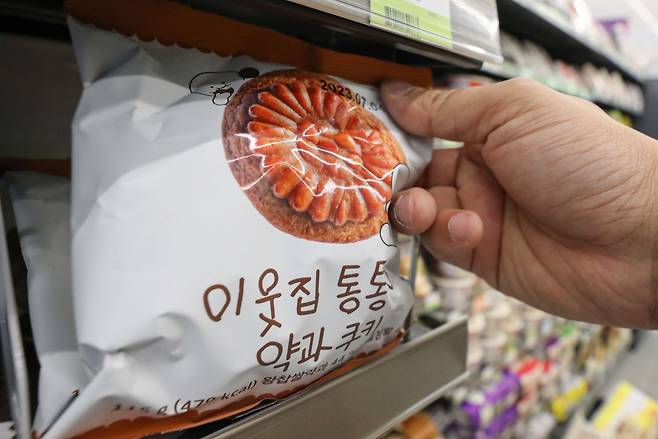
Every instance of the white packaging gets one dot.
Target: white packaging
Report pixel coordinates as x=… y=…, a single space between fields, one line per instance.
x=41 y=207
x=198 y=289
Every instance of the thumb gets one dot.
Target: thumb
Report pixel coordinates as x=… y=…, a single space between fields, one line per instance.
x=469 y=115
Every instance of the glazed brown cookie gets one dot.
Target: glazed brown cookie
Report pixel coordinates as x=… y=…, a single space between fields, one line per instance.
x=314 y=163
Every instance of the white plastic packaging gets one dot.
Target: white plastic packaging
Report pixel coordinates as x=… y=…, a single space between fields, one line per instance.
x=41 y=206
x=202 y=285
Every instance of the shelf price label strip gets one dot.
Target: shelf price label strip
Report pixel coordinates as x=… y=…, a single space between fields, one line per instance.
x=423 y=20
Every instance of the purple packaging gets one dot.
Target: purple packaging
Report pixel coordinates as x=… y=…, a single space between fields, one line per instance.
x=505 y=392
x=501 y=423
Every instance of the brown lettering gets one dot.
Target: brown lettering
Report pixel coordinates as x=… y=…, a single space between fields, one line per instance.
x=370 y=325
x=352 y=335
x=314 y=349
x=213 y=290
x=267 y=297
x=381 y=286
x=275 y=280
x=350 y=303
x=261 y=351
x=309 y=306
x=216 y=317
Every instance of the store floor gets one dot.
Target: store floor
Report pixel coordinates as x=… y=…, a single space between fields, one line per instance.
x=639 y=367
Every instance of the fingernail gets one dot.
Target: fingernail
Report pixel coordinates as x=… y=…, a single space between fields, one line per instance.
x=402 y=210
x=459 y=227
x=398 y=88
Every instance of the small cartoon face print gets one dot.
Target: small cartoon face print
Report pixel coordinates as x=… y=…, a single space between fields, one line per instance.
x=221 y=93
x=216 y=85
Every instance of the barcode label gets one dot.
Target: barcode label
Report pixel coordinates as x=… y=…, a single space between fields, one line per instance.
x=400 y=17
x=421 y=20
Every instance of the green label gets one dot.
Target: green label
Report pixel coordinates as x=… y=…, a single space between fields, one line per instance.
x=424 y=20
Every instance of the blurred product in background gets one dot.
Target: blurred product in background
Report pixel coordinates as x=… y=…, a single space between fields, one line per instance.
x=524 y=58
x=529 y=371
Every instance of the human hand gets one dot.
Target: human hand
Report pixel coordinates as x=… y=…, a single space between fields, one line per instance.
x=549 y=200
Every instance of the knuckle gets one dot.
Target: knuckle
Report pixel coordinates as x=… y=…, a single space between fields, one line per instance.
x=429 y=105
x=524 y=95
x=522 y=84
x=438 y=105
x=527 y=90
x=436 y=98
x=591 y=106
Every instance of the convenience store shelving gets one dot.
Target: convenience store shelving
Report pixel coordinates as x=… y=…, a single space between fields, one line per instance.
x=369 y=400
x=342 y=25
x=496 y=72
x=536 y=21
x=345 y=25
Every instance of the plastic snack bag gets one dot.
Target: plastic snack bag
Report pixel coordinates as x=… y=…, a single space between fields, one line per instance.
x=41 y=206
x=230 y=237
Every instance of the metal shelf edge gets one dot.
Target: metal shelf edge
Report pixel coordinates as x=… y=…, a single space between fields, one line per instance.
x=348 y=12
x=370 y=400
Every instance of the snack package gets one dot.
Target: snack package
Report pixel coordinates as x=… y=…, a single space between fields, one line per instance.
x=230 y=239
x=41 y=206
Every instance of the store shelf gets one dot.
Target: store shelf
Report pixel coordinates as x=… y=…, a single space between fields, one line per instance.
x=537 y=22
x=498 y=72
x=42 y=18
x=358 y=11
x=371 y=400
x=47 y=11
x=341 y=26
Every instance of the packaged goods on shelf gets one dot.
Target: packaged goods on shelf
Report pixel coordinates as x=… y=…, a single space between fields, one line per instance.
x=569 y=395
x=611 y=89
x=395 y=435
x=425 y=424
x=423 y=286
x=527 y=59
x=42 y=209
x=575 y=19
x=489 y=411
x=465 y=80
x=420 y=426
x=528 y=370
x=428 y=299
x=185 y=165
x=579 y=17
x=621 y=117
x=627 y=413
x=455 y=293
x=575 y=86
x=445 y=270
